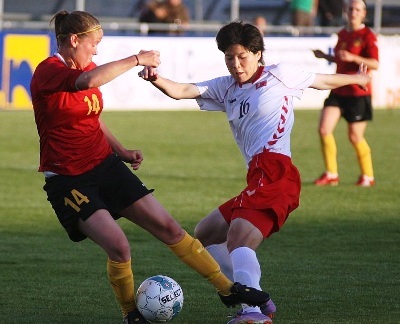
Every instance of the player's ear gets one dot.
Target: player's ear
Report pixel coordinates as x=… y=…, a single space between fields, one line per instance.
x=74 y=40
x=258 y=55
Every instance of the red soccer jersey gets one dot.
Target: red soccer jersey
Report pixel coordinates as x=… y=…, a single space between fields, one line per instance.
x=71 y=141
x=362 y=42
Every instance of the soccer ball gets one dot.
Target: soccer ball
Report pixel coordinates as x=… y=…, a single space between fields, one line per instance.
x=159 y=299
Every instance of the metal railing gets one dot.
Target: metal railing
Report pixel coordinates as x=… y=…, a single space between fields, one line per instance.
x=17 y=22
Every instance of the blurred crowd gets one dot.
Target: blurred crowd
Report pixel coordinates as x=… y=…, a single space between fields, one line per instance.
x=320 y=12
x=305 y=13
x=167 y=12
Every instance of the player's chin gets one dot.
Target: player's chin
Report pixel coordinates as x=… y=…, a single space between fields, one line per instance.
x=239 y=78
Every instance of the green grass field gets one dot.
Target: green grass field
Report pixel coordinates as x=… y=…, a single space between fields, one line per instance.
x=337 y=259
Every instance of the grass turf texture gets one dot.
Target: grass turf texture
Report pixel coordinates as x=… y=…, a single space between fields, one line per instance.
x=336 y=260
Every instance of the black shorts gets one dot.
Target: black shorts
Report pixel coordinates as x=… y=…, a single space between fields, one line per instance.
x=110 y=185
x=353 y=109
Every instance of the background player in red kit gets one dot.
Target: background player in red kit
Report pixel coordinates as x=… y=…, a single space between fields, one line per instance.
x=357 y=44
x=87 y=182
x=258 y=101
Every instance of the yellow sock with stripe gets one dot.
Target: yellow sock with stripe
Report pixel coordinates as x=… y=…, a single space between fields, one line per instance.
x=192 y=253
x=329 y=152
x=364 y=158
x=121 y=279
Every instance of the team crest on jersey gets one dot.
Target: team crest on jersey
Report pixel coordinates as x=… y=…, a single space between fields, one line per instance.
x=261 y=84
x=357 y=42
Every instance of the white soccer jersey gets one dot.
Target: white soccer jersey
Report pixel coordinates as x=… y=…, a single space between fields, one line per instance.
x=260 y=114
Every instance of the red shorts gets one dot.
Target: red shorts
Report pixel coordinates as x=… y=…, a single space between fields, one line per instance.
x=272 y=192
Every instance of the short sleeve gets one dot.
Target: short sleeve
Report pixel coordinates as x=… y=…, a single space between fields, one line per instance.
x=293 y=77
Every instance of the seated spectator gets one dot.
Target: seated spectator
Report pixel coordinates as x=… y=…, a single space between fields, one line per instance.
x=261 y=23
x=153 y=12
x=303 y=12
x=167 y=12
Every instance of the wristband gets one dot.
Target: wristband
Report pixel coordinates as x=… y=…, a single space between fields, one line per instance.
x=137 y=59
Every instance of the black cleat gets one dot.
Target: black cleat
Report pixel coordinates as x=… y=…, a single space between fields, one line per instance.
x=241 y=294
x=134 y=317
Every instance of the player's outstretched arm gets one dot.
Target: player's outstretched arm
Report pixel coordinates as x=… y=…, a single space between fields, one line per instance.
x=109 y=71
x=171 y=88
x=332 y=81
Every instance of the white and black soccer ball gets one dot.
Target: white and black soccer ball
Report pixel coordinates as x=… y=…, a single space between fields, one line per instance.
x=159 y=299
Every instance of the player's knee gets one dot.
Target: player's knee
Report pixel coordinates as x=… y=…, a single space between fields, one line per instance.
x=324 y=131
x=355 y=138
x=203 y=234
x=119 y=251
x=198 y=232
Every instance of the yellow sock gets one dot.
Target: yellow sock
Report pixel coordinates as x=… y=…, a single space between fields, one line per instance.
x=364 y=158
x=329 y=151
x=121 y=279
x=192 y=252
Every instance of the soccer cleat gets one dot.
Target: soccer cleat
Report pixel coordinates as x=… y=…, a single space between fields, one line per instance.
x=327 y=180
x=365 y=181
x=251 y=318
x=267 y=308
x=241 y=294
x=134 y=317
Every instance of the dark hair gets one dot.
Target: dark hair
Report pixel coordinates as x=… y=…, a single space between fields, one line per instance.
x=239 y=33
x=76 y=22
